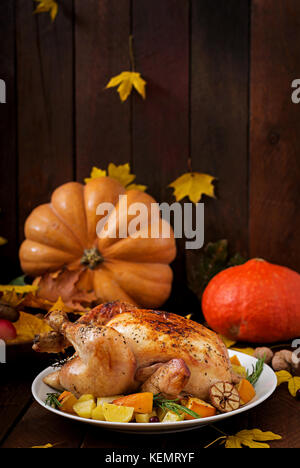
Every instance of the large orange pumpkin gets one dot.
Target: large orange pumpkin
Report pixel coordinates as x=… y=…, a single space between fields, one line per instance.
x=255 y=302
x=62 y=248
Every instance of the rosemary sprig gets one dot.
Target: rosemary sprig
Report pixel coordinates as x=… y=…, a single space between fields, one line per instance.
x=59 y=362
x=171 y=405
x=52 y=400
x=257 y=370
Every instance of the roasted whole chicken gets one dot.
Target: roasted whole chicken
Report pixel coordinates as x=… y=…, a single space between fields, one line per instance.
x=120 y=349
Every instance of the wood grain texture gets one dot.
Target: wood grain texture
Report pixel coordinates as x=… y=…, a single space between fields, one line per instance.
x=38 y=428
x=33 y=425
x=275 y=137
x=15 y=391
x=102 y=51
x=45 y=104
x=160 y=124
x=219 y=114
x=8 y=137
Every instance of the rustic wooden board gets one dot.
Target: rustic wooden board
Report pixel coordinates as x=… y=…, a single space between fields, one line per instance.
x=36 y=426
x=39 y=427
x=275 y=136
x=15 y=391
x=45 y=104
x=102 y=121
x=8 y=132
x=219 y=113
x=160 y=124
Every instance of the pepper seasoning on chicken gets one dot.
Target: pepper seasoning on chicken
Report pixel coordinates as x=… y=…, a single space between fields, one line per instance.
x=120 y=349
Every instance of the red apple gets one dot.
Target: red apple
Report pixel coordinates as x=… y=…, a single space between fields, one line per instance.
x=7 y=330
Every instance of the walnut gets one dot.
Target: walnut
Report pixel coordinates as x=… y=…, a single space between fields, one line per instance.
x=8 y=313
x=282 y=360
x=225 y=397
x=259 y=353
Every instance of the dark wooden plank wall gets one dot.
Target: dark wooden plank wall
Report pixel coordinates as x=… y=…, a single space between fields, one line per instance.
x=45 y=105
x=275 y=137
x=8 y=143
x=218 y=92
x=103 y=124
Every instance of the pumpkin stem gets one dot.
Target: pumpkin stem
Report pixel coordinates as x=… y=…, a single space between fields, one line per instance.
x=91 y=258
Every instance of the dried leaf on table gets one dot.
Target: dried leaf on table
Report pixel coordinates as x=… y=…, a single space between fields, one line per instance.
x=227 y=341
x=29 y=288
x=293 y=382
x=43 y=446
x=252 y=439
x=14 y=295
x=27 y=327
x=60 y=305
x=66 y=285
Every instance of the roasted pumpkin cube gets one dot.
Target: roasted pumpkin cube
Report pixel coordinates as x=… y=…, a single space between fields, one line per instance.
x=235 y=361
x=141 y=402
x=246 y=390
x=67 y=401
x=205 y=410
x=239 y=370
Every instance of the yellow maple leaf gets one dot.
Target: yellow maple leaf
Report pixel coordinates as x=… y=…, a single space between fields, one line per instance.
x=121 y=173
x=27 y=327
x=189 y=316
x=18 y=289
x=3 y=241
x=252 y=439
x=47 y=6
x=126 y=81
x=141 y=188
x=293 y=382
x=95 y=174
x=193 y=185
x=43 y=446
x=60 y=305
x=227 y=341
x=249 y=351
x=13 y=295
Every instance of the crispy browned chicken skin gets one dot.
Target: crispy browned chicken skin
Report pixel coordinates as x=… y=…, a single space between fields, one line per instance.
x=120 y=349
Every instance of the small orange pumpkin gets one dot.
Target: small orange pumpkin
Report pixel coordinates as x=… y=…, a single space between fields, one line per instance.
x=256 y=302
x=62 y=247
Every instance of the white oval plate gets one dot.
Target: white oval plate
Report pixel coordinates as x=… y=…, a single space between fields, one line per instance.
x=264 y=389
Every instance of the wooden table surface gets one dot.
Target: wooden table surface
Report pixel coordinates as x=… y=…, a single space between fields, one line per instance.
x=23 y=423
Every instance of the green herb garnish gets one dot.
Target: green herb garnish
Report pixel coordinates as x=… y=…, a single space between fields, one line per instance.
x=257 y=370
x=52 y=400
x=171 y=405
x=60 y=362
